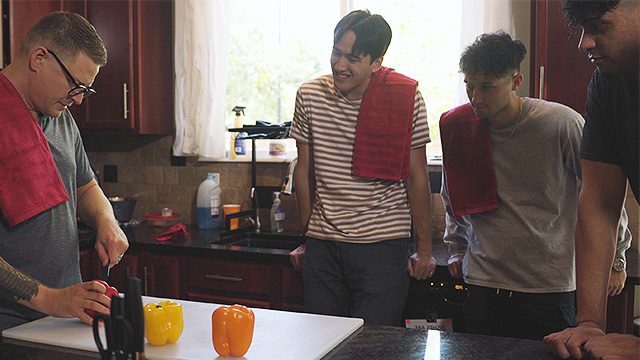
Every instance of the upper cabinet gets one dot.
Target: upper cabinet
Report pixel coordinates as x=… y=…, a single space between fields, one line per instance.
x=562 y=72
x=135 y=87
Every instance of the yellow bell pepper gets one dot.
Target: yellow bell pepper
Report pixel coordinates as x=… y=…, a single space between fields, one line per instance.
x=232 y=330
x=163 y=322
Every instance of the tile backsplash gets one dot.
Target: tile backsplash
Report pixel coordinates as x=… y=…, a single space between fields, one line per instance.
x=148 y=174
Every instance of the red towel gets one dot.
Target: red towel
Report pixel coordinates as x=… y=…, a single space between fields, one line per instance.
x=29 y=179
x=382 y=145
x=468 y=161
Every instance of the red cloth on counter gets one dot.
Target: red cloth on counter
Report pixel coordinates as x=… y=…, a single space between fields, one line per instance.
x=29 y=179
x=468 y=161
x=176 y=232
x=382 y=145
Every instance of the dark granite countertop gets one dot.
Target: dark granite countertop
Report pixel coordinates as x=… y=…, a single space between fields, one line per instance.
x=142 y=237
x=211 y=242
x=367 y=343
x=387 y=342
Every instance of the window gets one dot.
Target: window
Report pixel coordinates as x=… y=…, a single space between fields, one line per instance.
x=277 y=44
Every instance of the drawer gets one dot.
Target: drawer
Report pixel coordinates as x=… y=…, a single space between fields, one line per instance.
x=228 y=300
x=228 y=277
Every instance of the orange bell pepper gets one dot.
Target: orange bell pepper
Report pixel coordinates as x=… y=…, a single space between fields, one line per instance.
x=232 y=330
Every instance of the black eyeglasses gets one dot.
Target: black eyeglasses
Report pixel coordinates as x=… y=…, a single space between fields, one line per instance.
x=78 y=88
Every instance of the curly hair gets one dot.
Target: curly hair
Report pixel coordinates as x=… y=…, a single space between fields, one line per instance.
x=493 y=54
x=578 y=12
x=373 y=33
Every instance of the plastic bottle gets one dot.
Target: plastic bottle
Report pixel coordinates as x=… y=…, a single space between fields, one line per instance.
x=237 y=143
x=277 y=215
x=208 y=211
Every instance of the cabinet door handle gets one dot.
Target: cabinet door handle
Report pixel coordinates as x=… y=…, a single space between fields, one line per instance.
x=541 y=83
x=224 y=278
x=125 y=92
x=146 y=280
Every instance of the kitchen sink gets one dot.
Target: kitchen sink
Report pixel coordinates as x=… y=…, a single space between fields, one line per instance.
x=261 y=241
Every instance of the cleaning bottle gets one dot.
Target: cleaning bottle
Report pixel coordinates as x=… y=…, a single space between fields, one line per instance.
x=237 y=143
x=208 y=204
x=277 y=215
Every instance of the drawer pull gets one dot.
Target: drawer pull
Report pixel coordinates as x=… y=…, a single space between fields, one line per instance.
x=224 y=278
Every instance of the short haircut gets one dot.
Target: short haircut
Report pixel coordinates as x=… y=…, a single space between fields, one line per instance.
x=493 y=54
x=67 y=34
x=373 y=33
x=578 y=12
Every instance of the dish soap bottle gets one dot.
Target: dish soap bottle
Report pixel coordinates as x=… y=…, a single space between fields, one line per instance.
x=208 y=204
x=277 y=215
x=237 y=143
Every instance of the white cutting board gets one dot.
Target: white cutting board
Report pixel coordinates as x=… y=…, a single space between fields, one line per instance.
x=277 y=334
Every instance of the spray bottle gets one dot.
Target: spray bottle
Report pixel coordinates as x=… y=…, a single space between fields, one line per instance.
x=237 y=143
x=277 y=214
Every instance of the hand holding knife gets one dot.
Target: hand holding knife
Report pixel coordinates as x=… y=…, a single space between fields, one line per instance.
x=103 y=274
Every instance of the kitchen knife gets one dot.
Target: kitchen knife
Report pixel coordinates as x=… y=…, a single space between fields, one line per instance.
x=103 y=274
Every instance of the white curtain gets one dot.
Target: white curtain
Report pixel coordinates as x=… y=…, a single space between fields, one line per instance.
x=200 y=77
x=483 y=16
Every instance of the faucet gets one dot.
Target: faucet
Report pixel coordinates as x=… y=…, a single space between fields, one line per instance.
x=256 y=221
x=287 y=187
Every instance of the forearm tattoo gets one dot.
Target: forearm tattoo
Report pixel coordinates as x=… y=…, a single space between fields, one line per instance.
x=15 y=285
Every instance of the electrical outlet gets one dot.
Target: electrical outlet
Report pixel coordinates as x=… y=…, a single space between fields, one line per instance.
x=216 y=177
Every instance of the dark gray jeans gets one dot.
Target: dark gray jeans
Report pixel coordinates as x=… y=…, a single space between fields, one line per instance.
x=368 y=281
x=515 y=314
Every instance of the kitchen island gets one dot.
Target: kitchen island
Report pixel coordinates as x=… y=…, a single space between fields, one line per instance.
x=370 y=343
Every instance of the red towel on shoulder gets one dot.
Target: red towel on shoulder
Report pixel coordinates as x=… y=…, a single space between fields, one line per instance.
x=29 y=179
x=468 y=161
x=382 y=145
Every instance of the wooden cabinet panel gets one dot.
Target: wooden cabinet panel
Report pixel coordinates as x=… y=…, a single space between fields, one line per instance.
x=292 y=288
x=238 y=277
x=22 y=15
x=87 y=264
x=557 y=64
x=110 y=107
x=135 y=87
x=228 y=300
x=128 y=266
x=160 y=275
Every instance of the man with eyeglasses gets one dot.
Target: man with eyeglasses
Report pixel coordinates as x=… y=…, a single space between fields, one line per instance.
x=46 y=181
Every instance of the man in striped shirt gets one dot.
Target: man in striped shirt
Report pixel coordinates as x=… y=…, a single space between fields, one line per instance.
x=358 y=229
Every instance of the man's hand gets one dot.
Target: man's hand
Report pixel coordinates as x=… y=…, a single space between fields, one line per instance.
x=111 y=242
x=455 y=266
x=71 y=301
x=297 y=257
x=616 y=282
x=568 y=342
x=613 y=346
x=421 y=265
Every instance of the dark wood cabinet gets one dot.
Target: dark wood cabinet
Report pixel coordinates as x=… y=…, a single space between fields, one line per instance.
x=160 y=275
x=562 y=72
x=135 y=87
x=292 y=290
x=22 y=15
x=88 y=267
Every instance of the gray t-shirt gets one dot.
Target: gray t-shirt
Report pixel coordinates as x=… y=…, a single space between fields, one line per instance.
x=527 y=244
x=46 y=246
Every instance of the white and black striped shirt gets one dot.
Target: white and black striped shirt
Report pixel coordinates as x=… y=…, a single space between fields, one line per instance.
x=349 y=208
